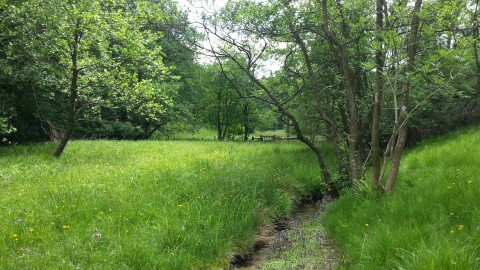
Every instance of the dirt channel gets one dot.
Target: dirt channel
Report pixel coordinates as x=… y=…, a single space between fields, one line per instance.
x=276 y=237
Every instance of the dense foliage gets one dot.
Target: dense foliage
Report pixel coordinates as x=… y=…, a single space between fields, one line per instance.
x=98 y=62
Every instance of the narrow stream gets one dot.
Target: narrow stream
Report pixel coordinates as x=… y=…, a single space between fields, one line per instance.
x=264 y=248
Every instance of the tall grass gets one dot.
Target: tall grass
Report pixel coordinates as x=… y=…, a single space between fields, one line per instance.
x=431 y=221
x=144 y=205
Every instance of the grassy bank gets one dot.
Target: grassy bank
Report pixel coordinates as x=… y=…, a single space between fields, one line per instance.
x=144 y=205
x=431 y=221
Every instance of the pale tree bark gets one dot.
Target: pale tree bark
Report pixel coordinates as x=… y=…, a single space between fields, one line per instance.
x=400 y=129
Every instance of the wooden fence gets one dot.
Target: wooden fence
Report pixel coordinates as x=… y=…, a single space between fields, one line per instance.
x=273 y=138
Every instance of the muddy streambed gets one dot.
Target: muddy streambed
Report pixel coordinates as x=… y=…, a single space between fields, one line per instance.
x=273 y=237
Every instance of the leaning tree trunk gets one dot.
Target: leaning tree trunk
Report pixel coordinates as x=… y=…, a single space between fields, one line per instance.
x=332 y=188
x=354 y=128
x=73 y=95
x=401 y=126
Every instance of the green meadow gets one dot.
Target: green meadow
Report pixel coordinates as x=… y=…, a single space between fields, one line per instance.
x=194 y=204
x=146 y=204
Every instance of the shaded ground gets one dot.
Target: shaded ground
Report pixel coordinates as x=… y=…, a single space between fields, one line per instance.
x=298 y=243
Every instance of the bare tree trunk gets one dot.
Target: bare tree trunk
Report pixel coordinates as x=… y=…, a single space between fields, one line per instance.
x=377 y=101
x=401 y=126
x=73 y=95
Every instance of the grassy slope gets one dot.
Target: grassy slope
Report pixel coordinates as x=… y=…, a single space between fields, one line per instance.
x=432 y=221
x=143 y=205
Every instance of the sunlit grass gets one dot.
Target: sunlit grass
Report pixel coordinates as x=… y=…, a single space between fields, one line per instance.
x=144 y=205
x=432 y=221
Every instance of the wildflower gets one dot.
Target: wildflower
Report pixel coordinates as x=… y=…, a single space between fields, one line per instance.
x=452 y=231
x=451 y=214
x=31 y=230
x=366 y=225
x=180 y=205
x=66 y=226
x=460 y=227
x=97 y=234
x=470 y=181
x=449 y=187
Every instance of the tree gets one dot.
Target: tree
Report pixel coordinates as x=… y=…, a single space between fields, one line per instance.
x=245 y=43
x=222 y=108
x=378 y=97
x=88 y=50
x=399 y=134
x=347 y=69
